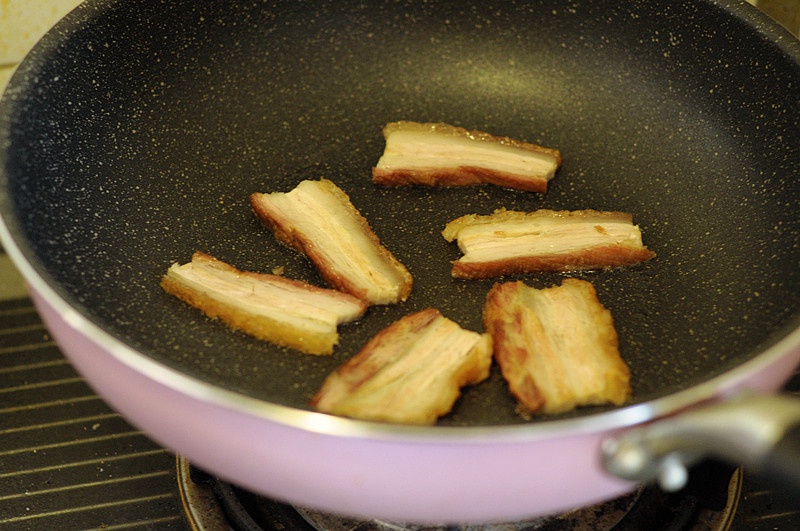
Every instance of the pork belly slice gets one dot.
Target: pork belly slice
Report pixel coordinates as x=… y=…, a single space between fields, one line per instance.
x=436 y=154
x=276 y=309
x=509 y=242
x=318 y=219
x=557 y=347
x=409 y=373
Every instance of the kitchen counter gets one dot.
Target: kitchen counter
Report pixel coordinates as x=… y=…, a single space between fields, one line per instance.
x=22 y=24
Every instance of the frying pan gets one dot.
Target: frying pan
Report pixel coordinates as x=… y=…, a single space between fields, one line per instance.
x=134 y=133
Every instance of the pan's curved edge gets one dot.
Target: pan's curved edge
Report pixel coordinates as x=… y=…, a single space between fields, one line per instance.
x=762 y=23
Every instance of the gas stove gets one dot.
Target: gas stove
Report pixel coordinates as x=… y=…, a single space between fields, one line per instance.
x=67 y=461
x=708 y=503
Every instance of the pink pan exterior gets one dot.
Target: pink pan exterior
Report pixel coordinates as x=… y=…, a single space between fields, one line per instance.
x=370 y=470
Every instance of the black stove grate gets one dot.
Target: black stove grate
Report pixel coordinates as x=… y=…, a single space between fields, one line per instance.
x=67 y=461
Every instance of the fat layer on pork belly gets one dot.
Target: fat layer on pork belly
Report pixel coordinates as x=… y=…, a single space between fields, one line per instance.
x=436 y=154
x=276 y=309
x=318 y=219
x=557 y=347
x=411 y=372
x=509 y=242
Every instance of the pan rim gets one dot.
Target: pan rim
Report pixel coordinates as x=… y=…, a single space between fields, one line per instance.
x=329 y=425
x=623 y=417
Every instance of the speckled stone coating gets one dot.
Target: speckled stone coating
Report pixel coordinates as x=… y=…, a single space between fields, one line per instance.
x=133 y=136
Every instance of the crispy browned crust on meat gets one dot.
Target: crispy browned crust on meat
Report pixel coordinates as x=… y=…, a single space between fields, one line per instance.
x=272 y=308
x=409 y=373
x=557 y=347
x=598 y=257
x=437 y=154
x=326 y=227
x=511 y=243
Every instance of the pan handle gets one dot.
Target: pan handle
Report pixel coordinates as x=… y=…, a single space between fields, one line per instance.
x=761 y=432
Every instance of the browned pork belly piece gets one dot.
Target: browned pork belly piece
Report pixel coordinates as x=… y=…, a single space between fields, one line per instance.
x=411 y=372
x=436 y=154
x=318 y=219
x=276 y=309
x=509 y=242
x=557 y=347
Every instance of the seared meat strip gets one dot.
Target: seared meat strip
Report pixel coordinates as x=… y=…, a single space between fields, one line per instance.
x=276 y=309
x=557 y=347
x=509 y=242
x=411 y=372
x=436 y=154
x=318 y=219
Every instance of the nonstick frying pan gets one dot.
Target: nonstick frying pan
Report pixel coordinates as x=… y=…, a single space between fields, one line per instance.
x=134 y=133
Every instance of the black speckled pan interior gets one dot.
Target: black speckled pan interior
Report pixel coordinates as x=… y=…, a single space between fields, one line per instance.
x=135 y=132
